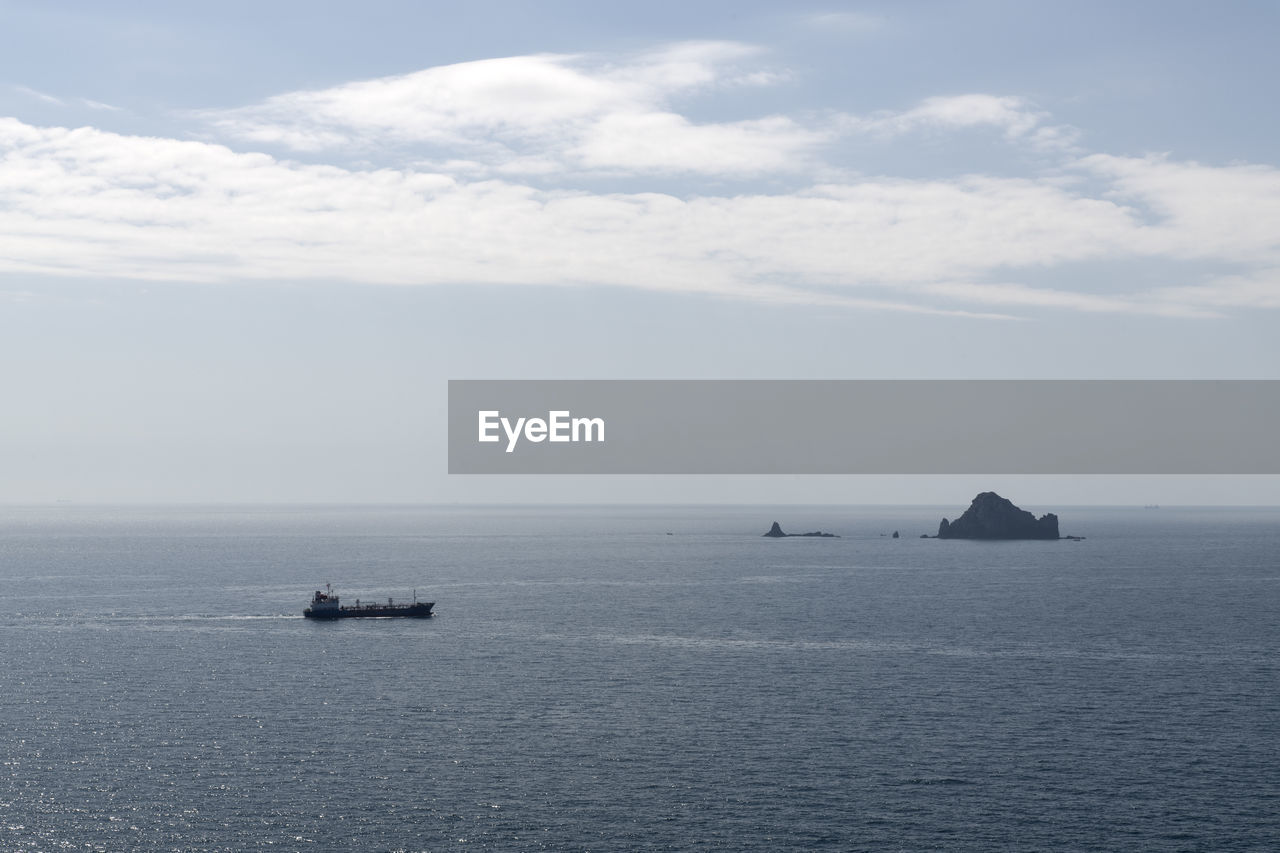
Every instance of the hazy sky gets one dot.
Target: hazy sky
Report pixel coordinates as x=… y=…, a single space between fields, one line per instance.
x=244 y=246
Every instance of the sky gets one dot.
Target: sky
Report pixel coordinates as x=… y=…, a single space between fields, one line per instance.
x=243 y=247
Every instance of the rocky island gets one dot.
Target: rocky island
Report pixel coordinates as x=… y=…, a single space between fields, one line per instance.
x=993 y=517
x=775 y=532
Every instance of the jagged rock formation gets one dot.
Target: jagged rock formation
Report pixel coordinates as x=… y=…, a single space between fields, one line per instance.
x=775 y=532
x=993 y=517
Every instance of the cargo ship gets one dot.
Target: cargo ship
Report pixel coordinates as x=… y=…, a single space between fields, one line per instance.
x=324 y=605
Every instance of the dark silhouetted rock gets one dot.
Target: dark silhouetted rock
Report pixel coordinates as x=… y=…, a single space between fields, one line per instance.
x=895 y=534
x=993 y=517
x=775 y=532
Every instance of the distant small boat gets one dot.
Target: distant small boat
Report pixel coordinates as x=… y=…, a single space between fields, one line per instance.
x=324 y=605
x=1151 y=506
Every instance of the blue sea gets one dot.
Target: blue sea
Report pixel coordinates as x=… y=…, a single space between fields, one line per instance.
x=637 y=678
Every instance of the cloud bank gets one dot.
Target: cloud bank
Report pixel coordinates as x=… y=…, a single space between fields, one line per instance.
x=488 y=173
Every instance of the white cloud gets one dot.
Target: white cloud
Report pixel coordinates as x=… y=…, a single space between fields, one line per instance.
x=1013 y=295
x=518 y=96
x=39 y=96
x=46 y=98
x=99 y=105
x=1259 y=289
x=538 y=109
x=1199 y=211
x=1011 y=114
x=86 y=202
x=667 y=142
x=584 y=115
x=1014 y=116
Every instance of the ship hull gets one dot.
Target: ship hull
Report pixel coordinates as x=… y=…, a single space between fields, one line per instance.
x=420 y=610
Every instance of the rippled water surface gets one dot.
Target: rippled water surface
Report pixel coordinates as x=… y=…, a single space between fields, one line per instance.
x=637 y=678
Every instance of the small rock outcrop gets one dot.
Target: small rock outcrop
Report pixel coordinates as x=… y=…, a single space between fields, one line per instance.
x=993 y=517
x=775 y=532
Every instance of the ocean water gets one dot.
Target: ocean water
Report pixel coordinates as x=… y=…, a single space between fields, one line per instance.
x=654 y=678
